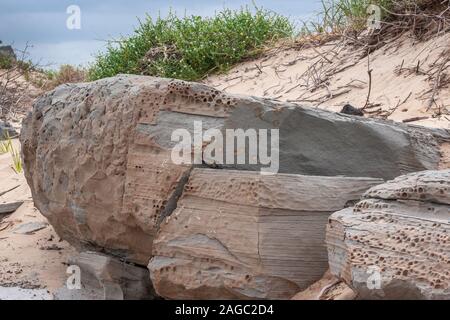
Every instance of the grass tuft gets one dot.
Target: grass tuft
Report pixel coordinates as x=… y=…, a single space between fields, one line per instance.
x=6 y=62
x=65 y=74
x=7 y=146
x=338 y=16
x=5 y=143
x=17 y=160
x=342 y=16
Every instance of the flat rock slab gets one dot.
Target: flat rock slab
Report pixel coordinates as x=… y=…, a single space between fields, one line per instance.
x=395 y=243
x=242 y=235
x=6 y=208
x=30 y=227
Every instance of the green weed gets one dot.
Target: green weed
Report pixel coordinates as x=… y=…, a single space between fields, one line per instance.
x=336 y=16
x=7 y=146
x=17 y=160
x=5 y=143
x=191 y=47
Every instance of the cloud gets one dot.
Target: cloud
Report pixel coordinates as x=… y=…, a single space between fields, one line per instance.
x=43 y=23
x=51 y=55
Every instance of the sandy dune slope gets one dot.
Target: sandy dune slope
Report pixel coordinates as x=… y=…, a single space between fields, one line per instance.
x=403 y=82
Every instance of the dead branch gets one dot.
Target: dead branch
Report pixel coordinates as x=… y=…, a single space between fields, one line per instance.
x=14 y=85
x=414 y=119
x=437 y=83
x=369 y=72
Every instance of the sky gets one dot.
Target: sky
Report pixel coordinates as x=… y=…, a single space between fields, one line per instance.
x=42 y=24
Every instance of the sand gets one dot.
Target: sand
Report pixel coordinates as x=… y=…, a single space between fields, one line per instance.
x=28 y=261
x=334 y=74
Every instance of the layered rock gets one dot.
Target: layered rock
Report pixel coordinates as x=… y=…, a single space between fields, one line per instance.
x=318 y=142
x=242 y=235
x=395 y=243
x=98 y=159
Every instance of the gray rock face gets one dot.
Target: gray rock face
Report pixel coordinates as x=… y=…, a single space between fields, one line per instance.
x=395 y=244
x=30 y=227
x=7 y=51
x=98 y=156
x=318 y=142
x=106 y=278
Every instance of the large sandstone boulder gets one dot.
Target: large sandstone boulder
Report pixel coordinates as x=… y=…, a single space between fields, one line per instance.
x=98 y=159
x=242 y=235
x=96 y=162
x=395 y=243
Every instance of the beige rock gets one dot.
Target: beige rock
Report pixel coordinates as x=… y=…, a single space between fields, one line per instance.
x=428 y=186
x=242 y=235
x=97 y=155
x=328 y=288
x=96 y=169
x=395 y=243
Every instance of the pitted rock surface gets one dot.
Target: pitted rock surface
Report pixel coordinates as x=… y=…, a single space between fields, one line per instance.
x=242 y=235
x=394 y=244
x=97 y=155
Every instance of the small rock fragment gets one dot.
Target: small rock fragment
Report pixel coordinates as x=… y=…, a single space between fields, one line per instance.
x=30 y=227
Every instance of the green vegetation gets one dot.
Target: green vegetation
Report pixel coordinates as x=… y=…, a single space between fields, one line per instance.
x=7 y=146
x=17 y=161
x=191 y=47
x=65 y=74
x=355 y=12
x=5 y=143
x=339 y=15
x=6 y=62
